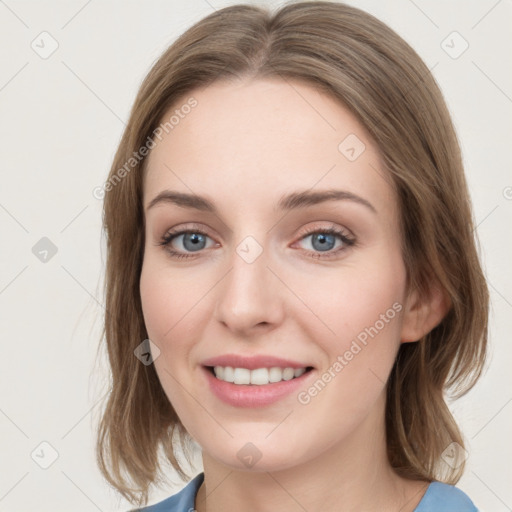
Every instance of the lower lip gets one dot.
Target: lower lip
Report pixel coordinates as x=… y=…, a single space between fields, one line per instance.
x=246 y=395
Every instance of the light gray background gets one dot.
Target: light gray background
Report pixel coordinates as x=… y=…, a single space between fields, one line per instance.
x=61 y=119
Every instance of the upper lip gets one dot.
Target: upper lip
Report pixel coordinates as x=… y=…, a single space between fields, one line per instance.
x=252 y=362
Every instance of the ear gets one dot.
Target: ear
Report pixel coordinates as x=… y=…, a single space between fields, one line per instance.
x=423 y=312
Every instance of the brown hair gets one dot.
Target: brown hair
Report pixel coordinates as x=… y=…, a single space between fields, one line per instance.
x=356 y=59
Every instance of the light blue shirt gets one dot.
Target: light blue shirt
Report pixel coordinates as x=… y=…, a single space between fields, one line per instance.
x=439 y=497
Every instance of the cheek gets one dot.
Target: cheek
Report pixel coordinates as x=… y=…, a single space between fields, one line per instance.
x=343 y=303
x=171 y=308
x=156 y=299
x=166 y=297
x=162 y=311
x=357 y=325
x=173 y=305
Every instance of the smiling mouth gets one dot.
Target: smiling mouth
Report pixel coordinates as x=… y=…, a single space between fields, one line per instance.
x=258 y=376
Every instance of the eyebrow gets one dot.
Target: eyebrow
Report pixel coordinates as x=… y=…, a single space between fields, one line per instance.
x=293 y=201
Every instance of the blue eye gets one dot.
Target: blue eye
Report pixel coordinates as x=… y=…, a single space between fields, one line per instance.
x=193 y=241
x=323 y=241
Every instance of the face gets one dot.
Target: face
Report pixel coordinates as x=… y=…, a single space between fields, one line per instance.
x=268 y=272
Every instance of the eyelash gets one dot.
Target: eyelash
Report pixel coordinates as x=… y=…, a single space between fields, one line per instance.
x=348 y=241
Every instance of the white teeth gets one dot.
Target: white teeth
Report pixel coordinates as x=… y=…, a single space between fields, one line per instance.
x=258 y=377
x=219 y=372
x=229 y=374
x=275 y=374
x=288 y=373
x=242 y=376
x=299 y=371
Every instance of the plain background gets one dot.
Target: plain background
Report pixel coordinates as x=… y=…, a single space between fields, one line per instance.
x=61 y=119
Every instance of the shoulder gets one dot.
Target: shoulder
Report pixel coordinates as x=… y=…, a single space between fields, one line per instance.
x=183 y=501
x=441 y=497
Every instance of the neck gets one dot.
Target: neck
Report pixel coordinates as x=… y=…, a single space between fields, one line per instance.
x=352 y=475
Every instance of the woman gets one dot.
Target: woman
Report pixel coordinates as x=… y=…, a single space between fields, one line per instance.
x=292 y=279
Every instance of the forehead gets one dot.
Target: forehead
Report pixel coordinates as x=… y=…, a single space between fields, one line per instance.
x=252 y=142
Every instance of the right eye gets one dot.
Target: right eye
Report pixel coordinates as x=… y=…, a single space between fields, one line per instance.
x=191 y=240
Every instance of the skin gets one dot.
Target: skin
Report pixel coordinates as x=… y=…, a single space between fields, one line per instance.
x=244 y=146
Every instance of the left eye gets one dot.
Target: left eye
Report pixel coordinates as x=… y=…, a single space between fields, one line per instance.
x=324 y=241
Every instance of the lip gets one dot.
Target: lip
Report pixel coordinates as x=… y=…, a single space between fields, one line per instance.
x=251 y=396
x=253 y=362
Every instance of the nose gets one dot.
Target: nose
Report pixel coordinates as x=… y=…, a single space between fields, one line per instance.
x=249 y=298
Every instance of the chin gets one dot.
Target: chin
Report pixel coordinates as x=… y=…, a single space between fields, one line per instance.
x=257 y=457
